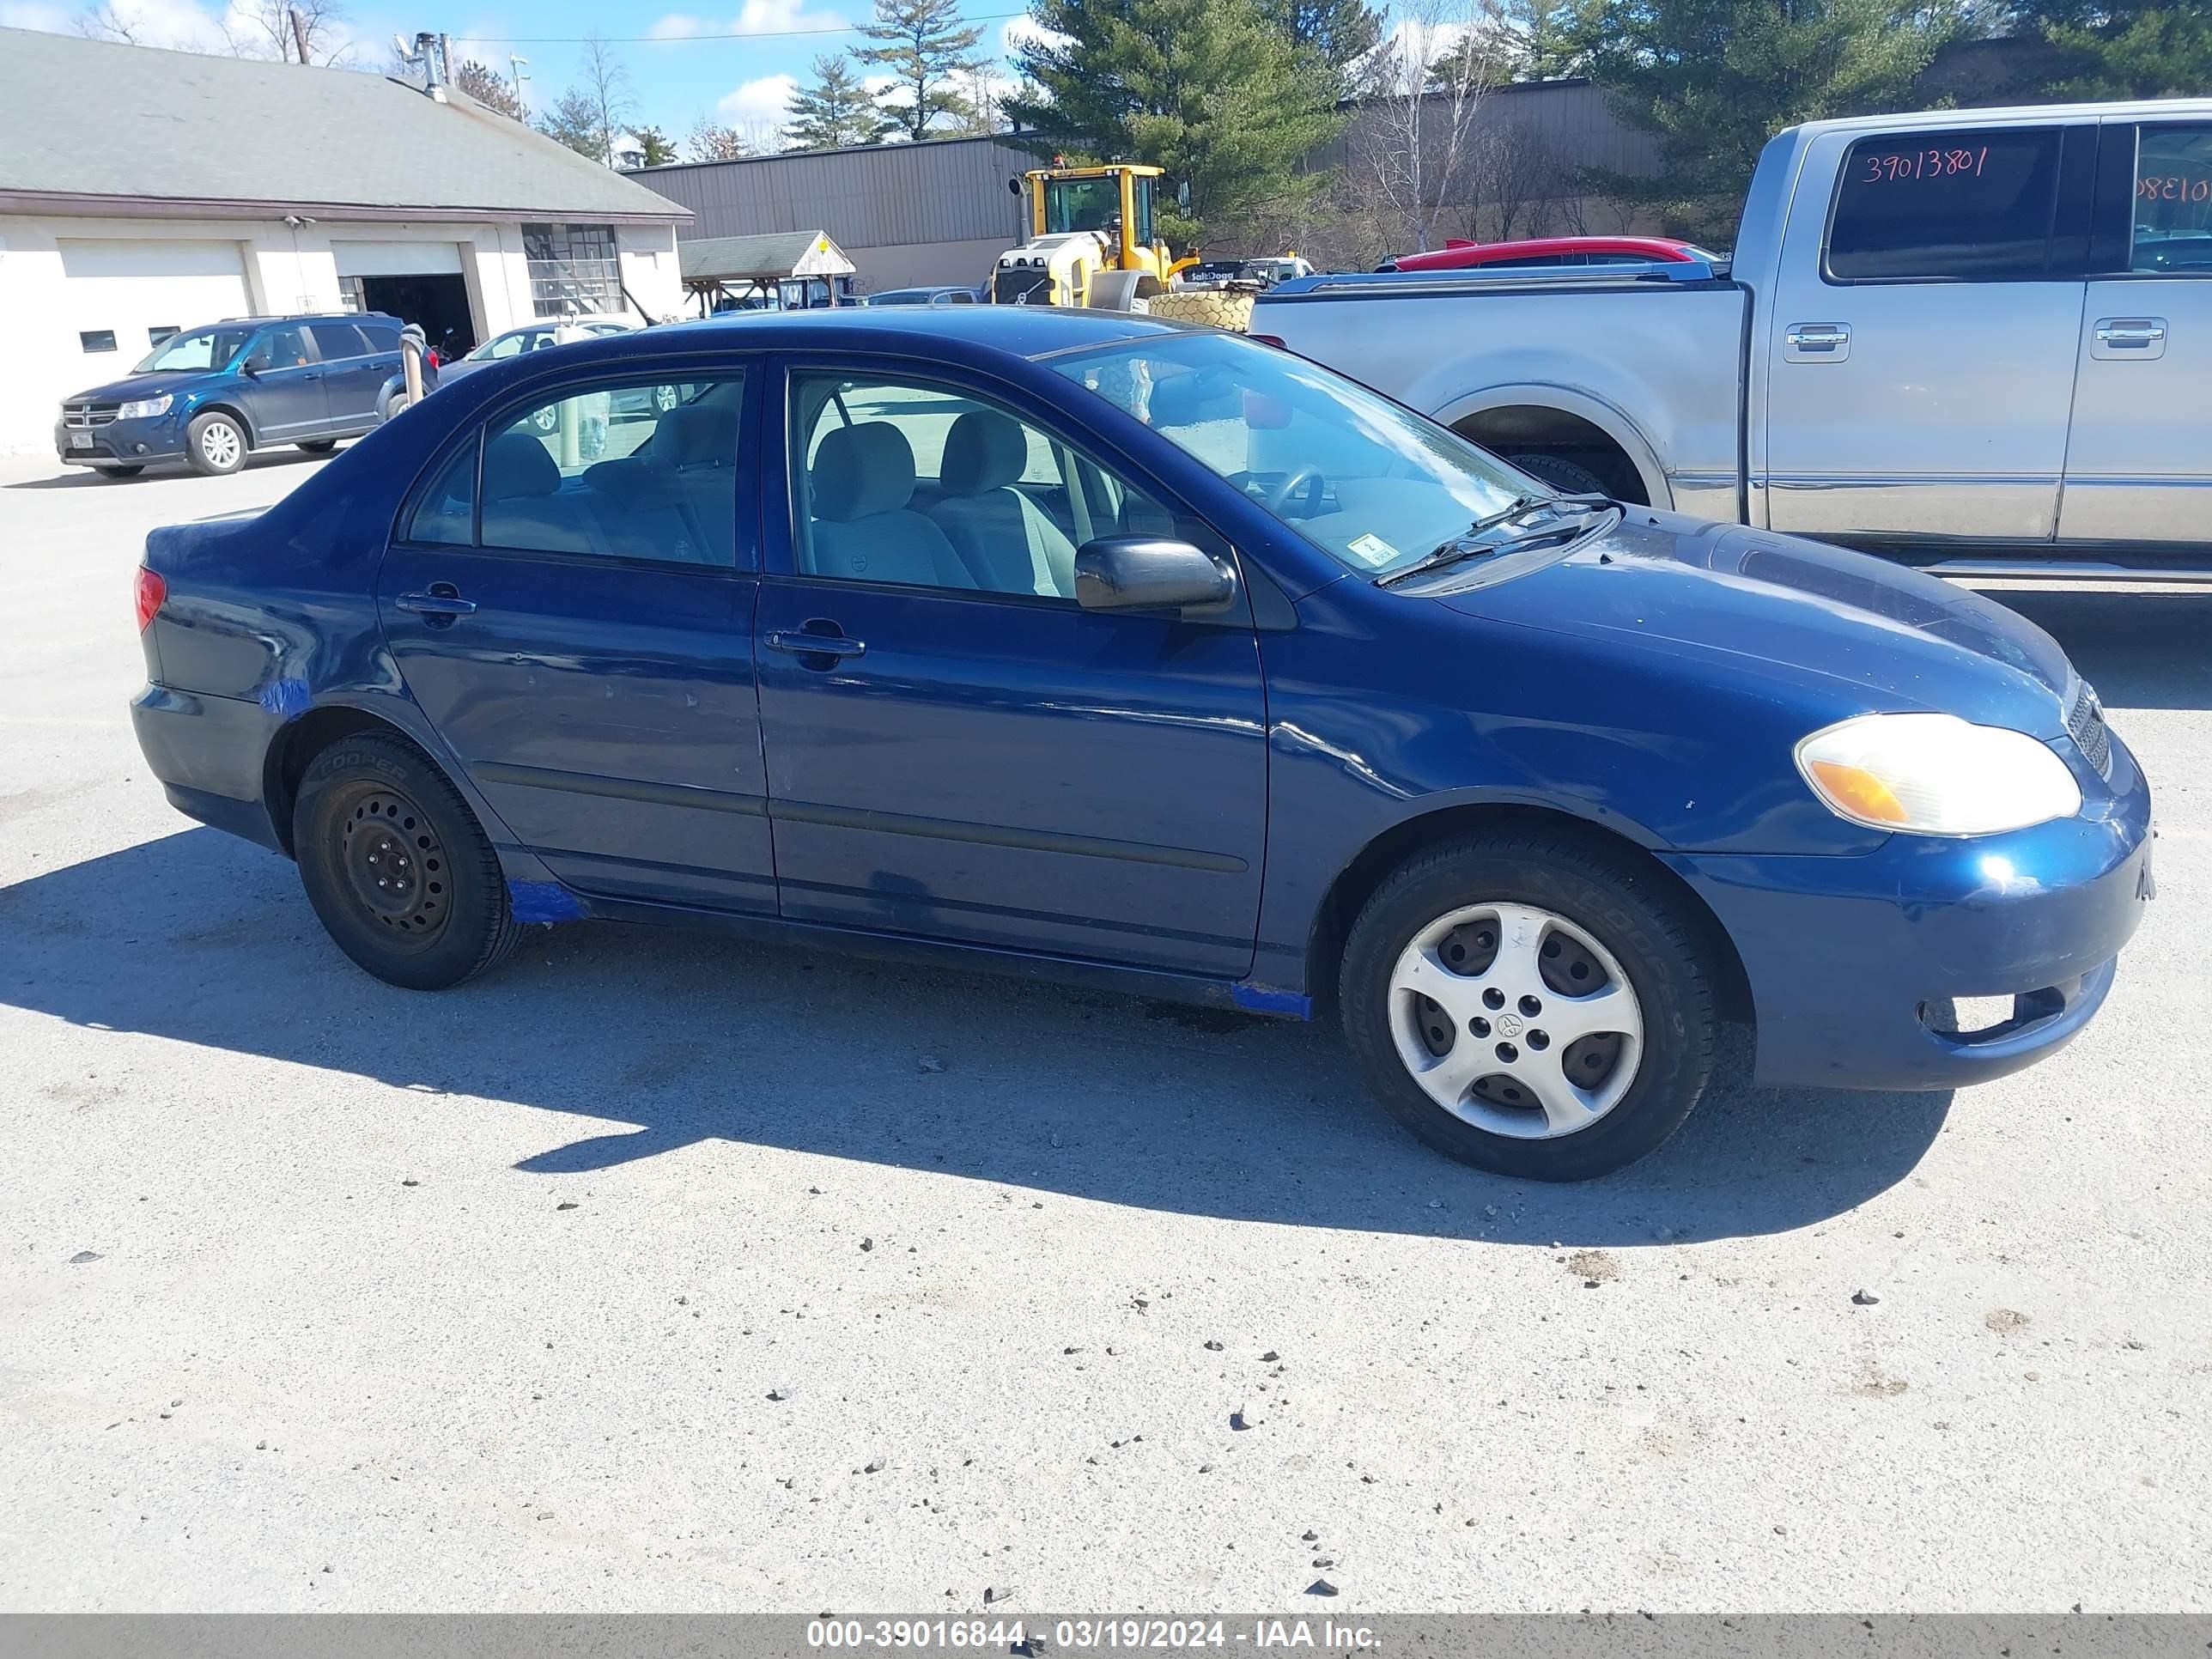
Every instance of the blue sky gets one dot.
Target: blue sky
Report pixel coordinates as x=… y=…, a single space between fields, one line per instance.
x=733 y=62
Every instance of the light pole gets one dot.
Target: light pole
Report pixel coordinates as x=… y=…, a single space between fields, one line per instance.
x=515 y=70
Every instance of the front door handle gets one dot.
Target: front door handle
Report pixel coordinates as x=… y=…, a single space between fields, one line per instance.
x=1818 y=339
x=2147 y=331
x=439 y=606
x=829 y=642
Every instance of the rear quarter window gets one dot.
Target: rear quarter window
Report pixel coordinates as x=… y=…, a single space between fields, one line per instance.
x=1945 y=206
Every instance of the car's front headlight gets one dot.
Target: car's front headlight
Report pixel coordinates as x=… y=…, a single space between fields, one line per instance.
x=1936 y=774
x=143 y=409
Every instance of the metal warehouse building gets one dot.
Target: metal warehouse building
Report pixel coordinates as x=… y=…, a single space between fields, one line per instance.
x=904 y=214
x=939 y=211
x=144 y=191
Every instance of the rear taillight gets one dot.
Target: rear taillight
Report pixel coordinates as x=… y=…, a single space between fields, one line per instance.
x=152 y=590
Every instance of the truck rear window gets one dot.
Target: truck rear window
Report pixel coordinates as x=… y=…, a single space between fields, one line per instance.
x=1972 y=206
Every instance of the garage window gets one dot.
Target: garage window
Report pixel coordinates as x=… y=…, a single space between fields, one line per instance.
x=573 y=268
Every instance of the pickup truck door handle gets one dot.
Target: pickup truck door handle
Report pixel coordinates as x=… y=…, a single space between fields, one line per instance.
x=2131 y=330
x=439 y=606
x=1817 y=339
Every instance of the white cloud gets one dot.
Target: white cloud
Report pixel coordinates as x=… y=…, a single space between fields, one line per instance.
x=754 y=17
x=765 y=102
x=53 y=20
x=1018 y=31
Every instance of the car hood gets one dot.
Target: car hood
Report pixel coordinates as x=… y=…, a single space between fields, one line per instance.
x=461 y=368
x=1789 y=609
x=152 y=384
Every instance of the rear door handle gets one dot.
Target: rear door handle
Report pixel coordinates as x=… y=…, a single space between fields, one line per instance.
x=441 y=604
x=801 y=643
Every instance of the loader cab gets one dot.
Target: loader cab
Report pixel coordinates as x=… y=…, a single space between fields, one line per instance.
x=1119 y=203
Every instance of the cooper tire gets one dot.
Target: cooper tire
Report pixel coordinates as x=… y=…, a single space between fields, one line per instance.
x=396 y=867
x=216 y=444
x=1605 y=918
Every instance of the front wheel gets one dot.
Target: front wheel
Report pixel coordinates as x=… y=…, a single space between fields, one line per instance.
x=318 y=445
x=1534 y=1007
x=214 y=444
x=396 y=866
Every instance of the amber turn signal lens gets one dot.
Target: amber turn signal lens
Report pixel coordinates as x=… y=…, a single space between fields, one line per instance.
x=1859 y=791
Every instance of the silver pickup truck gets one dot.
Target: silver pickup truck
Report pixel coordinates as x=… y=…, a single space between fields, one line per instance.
x=1979 y=340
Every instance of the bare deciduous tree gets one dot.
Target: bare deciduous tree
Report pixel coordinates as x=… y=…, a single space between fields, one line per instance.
x=1424 y=84
x=711 y=141
x=300 y=32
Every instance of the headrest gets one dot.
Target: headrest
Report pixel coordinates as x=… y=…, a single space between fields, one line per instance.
x=985 y=449
x=861 y=470
x=517 y=464
x=696 y=434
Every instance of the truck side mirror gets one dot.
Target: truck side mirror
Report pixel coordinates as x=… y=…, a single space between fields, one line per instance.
x=1015 y=185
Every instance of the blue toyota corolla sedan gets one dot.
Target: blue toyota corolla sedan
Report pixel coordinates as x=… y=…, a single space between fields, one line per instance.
x=1077 y=645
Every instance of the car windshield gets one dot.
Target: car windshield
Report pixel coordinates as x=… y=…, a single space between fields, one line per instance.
x=200 y=348
x=1374 y=485
x=1081 y=203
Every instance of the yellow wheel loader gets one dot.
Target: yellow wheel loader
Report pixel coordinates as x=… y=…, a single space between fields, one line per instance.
x=1093 y=240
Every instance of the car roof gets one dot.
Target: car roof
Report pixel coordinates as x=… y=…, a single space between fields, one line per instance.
x=949 y=334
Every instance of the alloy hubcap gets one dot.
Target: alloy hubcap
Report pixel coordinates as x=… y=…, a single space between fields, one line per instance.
x=395 y=866
x=219 y=443
x=1516 y=1020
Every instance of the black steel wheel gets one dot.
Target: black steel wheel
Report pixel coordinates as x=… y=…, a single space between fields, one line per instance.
x=396 y=866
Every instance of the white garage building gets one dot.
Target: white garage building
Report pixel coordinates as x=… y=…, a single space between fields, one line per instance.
x=143 y=192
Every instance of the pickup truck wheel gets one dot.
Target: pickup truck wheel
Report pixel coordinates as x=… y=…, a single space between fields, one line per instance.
x=1562 y=474
x=214 y=444
x=396 y=867
x=320 y=446
x=1535 y=1009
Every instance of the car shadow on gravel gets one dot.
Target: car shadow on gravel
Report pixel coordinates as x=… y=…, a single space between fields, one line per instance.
x=657 y=1040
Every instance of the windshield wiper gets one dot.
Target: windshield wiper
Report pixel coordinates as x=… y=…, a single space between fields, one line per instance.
x=1463 y=546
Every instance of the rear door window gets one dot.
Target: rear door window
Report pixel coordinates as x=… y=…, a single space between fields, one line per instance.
x=623 y=470
x=2173 y=230
x=337 y=340
x=1946 y=206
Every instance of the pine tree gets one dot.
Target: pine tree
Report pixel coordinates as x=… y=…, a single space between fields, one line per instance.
x=834 y=110
x=1339 y=32
x=1216 y=91
x=1715 y=79
x=653 y=147
x=2123 y=48
x=923 y=44
x=490 y=90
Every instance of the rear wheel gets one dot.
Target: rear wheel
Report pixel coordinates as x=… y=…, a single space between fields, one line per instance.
x=1532 y=1007
x=214 y=444
x=320 y=446
x=396 y=866
x=397 y=403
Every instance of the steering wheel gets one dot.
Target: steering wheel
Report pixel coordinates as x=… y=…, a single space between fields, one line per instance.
x=1278 y=498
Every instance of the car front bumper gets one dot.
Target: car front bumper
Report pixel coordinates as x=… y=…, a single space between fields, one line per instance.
x=1852 y=962
x=120 y=443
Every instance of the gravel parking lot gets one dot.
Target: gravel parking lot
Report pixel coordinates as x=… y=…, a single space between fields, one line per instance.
x=660 y=1272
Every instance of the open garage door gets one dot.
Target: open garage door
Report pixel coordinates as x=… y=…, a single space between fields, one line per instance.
x=141 y=292
x=418 y=283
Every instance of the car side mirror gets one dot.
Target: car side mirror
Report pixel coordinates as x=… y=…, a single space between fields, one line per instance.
x=259 y=363
x=1149 y=573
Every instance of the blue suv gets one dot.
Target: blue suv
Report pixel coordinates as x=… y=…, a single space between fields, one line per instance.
x=212 y=396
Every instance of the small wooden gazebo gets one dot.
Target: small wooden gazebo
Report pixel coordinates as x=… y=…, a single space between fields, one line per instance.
x=775 y=270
